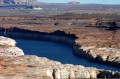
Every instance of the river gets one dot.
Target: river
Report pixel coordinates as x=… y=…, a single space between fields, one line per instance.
x=57 y=52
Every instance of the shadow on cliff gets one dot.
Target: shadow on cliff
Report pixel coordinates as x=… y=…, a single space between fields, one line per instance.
x=20 y=30
x=62 y=33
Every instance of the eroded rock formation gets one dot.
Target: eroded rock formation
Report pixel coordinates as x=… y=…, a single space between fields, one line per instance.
x=7 y=47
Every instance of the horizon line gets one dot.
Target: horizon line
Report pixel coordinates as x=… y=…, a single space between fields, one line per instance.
x=80 y=3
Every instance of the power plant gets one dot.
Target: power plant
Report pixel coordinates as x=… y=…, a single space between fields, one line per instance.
x=20 y=2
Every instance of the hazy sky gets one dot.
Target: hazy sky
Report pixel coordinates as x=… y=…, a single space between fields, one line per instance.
x=84 y=1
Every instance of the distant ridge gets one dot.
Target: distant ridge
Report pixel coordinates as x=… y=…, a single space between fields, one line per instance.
x=74 y=3
x=21 y=2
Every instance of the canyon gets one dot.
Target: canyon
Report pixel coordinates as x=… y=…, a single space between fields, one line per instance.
x=104 y=55
x=52 y=69
x=101 y=46
x=33 y=67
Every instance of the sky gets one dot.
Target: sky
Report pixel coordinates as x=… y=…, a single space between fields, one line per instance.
x=84 y=1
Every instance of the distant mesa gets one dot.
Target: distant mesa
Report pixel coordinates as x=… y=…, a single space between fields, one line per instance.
x=74 y=3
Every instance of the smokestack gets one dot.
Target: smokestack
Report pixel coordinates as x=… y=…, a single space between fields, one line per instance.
x=27 y=2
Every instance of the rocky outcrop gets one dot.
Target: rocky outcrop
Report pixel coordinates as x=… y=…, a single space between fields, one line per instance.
x=7 y=47
x=109 y=56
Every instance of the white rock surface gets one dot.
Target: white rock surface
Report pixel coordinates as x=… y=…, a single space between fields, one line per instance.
x=7 y=47
x=4 y=41
x=11 y=51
